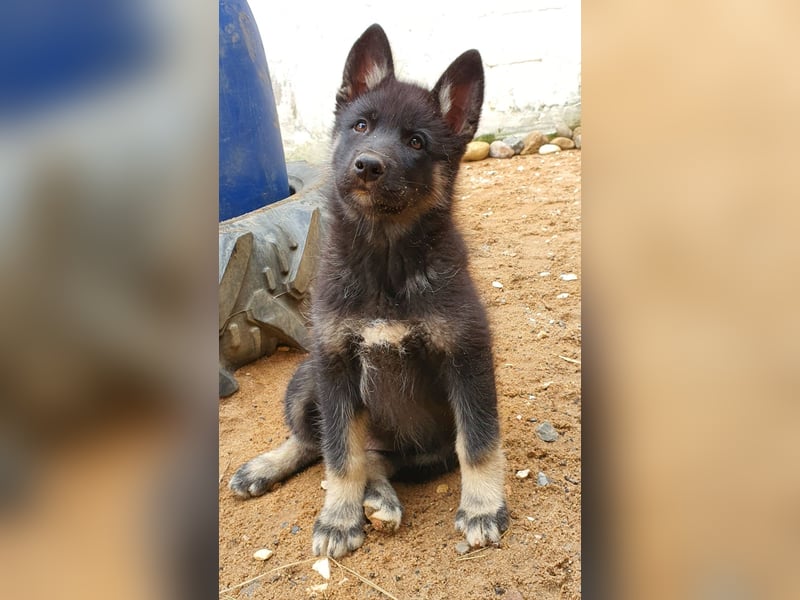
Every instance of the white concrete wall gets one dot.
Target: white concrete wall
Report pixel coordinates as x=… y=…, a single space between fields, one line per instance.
x=531 y=51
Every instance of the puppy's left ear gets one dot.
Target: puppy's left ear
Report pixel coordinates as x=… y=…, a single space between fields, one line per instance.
x=459 y=93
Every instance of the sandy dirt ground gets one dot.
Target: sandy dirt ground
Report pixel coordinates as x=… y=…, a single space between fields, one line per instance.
x=521 y=218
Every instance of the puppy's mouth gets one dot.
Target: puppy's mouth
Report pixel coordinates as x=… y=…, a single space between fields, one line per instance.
x=380 y=199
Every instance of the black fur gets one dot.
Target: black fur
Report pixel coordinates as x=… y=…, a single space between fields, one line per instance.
x=402 y=342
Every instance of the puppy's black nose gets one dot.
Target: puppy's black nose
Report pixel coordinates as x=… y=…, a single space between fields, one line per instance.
x=369 y=166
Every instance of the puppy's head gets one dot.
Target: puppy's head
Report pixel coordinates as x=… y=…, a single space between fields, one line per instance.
x=397 y=146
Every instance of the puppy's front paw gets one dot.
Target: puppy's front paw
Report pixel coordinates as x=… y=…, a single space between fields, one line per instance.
x=482 y=529
x=253 y=478
x=338 y=531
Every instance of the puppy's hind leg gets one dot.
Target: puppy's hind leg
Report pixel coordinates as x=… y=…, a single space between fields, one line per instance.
x=258 y=475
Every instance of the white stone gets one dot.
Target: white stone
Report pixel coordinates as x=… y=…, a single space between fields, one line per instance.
x=497 y=284
x=569 y=277
x=263 y=554
x=562 y=296
x=549 y=149
x=523 y=474
x=323 y=567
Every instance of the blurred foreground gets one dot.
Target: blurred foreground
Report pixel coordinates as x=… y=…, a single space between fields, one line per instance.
x=108 y=203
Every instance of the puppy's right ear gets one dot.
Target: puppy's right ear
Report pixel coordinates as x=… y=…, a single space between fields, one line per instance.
x=368 y=64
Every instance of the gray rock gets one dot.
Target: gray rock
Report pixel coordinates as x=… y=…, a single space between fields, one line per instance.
x=563 y=142
x=515 y=142
x=532 y=142
x=541 y=479
x=549 y=149
x=476 y=151
x=249 y=590
x=500 y=149
x=546 y=432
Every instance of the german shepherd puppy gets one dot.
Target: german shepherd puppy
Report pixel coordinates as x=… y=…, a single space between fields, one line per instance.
x=400 y=379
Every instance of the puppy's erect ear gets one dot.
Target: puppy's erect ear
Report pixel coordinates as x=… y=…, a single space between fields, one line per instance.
x=368 y=64
x=459 y=93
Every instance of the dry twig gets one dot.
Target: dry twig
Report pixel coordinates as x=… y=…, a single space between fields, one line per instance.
x=364 y=579
x=568 y=359
x=264 y=574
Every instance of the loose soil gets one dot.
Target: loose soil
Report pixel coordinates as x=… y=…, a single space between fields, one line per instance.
x=521 y=218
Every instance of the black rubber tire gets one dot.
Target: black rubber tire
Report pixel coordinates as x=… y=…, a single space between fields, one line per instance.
x=267 y=261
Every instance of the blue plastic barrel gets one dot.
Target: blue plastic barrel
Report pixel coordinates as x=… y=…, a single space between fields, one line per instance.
x=252 y=167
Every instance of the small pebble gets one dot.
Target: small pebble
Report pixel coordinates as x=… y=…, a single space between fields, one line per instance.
x=497 y=284
x=498 y=149
x=442 y=489
x=324 y=484
x=476 y=151
x=549 y=149
x=546 y=432
x=295 y=529
x=462 y=547
x=568 y=277
x=523 y=474
x=544 y=273
x=263 y=554
x=323 y=567
x=515 y=142
x=563 y=295
x=532 y=142
x=541 y=479
x=563 y=142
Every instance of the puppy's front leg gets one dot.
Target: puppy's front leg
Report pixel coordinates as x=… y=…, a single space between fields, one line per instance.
x=482 y=515
x=339 y=529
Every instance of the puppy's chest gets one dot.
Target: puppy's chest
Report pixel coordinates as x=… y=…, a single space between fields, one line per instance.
x=386 y=339
x=406 y=337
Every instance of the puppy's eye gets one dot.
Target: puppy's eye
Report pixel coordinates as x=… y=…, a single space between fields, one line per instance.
x=416 y=142
x=360 y=126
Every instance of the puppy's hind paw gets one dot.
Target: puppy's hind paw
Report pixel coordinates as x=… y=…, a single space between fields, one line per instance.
x=251 y=479
x=382 y=508
x=482 y=529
